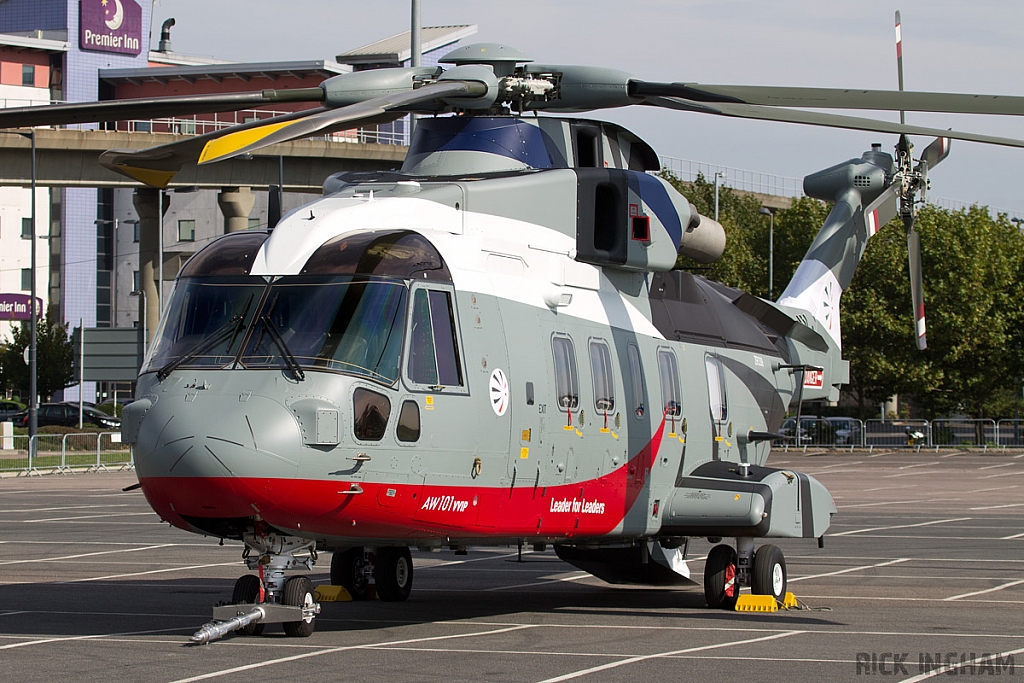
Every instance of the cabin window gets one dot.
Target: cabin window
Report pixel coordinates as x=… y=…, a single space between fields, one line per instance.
x=669 y=372
x=716 y=388
x=636 y=376
x=604 y=385
x=408 y=428
x=370 y=414
x=566 y=377
x=433 y=346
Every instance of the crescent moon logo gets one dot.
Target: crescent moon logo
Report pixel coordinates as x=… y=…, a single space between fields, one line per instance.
x=115 y=21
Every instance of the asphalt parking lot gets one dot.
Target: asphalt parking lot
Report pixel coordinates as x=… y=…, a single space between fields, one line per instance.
x=921 y=577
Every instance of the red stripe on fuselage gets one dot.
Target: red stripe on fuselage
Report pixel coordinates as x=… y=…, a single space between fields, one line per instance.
x=594 y=507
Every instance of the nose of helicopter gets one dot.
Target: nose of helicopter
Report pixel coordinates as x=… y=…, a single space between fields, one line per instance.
x=196 y=458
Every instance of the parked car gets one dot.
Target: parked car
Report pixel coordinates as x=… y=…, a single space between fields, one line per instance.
x=66 y=415
x=8 y=409
x=846 y=429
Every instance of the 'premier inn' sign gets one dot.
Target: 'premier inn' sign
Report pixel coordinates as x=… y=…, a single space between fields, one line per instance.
x=110 y=26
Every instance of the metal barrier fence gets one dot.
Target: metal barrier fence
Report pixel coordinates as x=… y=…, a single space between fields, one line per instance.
x=964 y=433
x=66 y=453
x=1010 y=433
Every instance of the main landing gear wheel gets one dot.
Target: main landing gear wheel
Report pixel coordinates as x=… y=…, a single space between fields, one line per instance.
x=393 y=573
x=348 y=570
x=721 y=585
x=298 y=591
x=247 y=591
x=769 y=573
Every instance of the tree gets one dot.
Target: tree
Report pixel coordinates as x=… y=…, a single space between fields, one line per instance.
x=55 y=356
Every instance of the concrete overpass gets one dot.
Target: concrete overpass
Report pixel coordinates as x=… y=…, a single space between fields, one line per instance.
x=68 y=158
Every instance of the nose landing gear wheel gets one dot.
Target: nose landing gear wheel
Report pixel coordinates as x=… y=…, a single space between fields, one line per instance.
x=298 y=591
x=769 y=573
x=247 y=591
x=721 y=585
x=393 y=573
x=347 y=569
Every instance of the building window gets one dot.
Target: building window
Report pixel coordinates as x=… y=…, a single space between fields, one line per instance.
x=26 y=228
x=26 y=279
x=135 y=280
x=187 y=231
x=135 y=232
x=28 y=75
x=566 y=377
x=254 y=223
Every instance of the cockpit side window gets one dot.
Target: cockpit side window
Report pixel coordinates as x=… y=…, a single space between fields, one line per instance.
x=433 y=356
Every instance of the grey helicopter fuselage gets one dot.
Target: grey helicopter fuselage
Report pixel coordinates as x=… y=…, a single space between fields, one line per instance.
x=490 y=346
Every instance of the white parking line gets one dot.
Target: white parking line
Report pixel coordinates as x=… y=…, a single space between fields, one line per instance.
x=899 y=526
x=66 y=507
x=574 y=577
x=371 y=646
x=659 y=655
x=998 y=507
x=154 y=571
x=920 y=464
x=990 y=590
x=74 y=557
x=992 y=467
x=850 y=569
x=887 y=502
x=81 y=517
x=1010 y=538
x=43 y=641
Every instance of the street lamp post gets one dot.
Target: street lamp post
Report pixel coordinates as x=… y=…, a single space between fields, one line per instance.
x=33 y=405
x=718 y=176
x=770 y=212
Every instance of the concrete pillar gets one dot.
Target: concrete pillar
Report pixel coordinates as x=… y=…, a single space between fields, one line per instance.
x=145 y=201
x=236 y=203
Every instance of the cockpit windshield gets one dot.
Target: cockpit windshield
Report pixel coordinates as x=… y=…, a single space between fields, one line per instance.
x=350 y=324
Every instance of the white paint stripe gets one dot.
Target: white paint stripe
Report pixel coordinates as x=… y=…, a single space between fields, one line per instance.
x=850 y=569
x=958 y=665
x=660 y=655
x=154 y=571
x=993 y=476
x=1010 y=538
x=888 y=502
x=920 y=464
x=75 y=557
x=999 y=507
x=899 y=526
x=992 y=467
x=66 y=507
x=885 y=488
x=476 y=559
x=997 y=488
x=990 y=590
x=81 y=517
x=43 y=641
x=878 y=598
x=306 y=655
x=574 y=577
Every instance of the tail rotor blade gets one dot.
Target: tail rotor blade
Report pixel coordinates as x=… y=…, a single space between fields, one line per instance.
x=916 y=284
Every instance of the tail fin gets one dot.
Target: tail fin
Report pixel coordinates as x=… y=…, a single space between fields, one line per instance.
x=865 y=200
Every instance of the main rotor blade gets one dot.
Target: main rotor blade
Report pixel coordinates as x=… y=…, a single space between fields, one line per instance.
x=899 y=60
x=833 y=98
x=747 y=111
x=916 y=282
x=151 y=107
x=157 y=166
x=274 y=131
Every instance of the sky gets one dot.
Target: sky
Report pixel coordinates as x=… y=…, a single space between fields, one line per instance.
x=948 y=46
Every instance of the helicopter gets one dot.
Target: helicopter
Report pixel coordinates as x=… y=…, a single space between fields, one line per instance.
x=492 y=345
